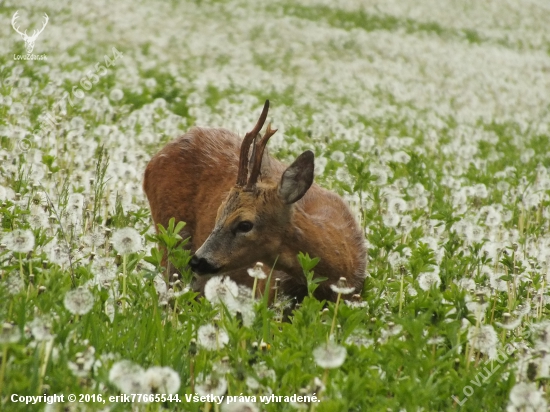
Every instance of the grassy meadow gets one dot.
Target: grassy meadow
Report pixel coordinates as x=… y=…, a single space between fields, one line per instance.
x=430 y=118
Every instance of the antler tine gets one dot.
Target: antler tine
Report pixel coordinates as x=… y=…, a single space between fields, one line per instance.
x=13 y=20
x=249 y=138
x=259 y=152
x=35 y=32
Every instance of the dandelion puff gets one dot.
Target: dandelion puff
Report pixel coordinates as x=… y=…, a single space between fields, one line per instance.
x=359 y=339
x=116 y=95
x=243 y=304
x=221 y=289
x=126 y=240
x=75 y=201
x=397 y=205
x=162 y=379
x=428 y=279
x=393 y=330
x=104 y=271
x=509 y=324
x=467 y=284
x=14 y=284
x=40 y=330
x=257 y=271
x=95 y=238
x=9 y=333
x=484 y=339
x=341 y=287
x=391 y=219
x=263 y=372
x=128 y=377
x=19 y=240
x=212 y=338
x=478 y=309
x=338 y=156
x=329 y=356
x=83 y=364
x=212 y=385
x=526 y=397
x=79 y=301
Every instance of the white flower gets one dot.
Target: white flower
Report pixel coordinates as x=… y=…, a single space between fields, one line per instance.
x=14 y=283
x=21 y=241
x=212 y=338
x=338 y=156
x=126 y=240
x=221 y=289
x=341 y=287
x=257 y=271
x=401 y=157
x=162 y=379
x=484 y=339
x=212 y=385
x=116 y=95
x=128 y=377
x=397 y=205
x=526 y=397
x=79 y=301
x=329 y=355
x=428 y=279
x=94 y=238
x=83 y=364
x=40 y=330
x=9 y=333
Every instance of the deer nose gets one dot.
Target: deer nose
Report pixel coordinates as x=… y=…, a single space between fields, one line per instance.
x=201 y=266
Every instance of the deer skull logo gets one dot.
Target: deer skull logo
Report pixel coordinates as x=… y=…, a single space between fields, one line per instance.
x=29 y=40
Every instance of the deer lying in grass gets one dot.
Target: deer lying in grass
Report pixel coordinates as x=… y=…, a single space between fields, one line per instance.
x=234 y=221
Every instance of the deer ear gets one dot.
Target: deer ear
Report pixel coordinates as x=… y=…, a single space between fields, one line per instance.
x=297 y=178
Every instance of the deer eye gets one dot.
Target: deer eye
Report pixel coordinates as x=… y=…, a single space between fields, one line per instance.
x=245 y=226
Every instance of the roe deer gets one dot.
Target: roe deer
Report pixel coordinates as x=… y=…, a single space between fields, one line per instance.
x=234 y=221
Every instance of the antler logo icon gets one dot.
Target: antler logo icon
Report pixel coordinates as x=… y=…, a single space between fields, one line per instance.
x=29 y=40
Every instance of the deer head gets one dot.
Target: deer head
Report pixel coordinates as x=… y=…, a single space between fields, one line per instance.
x=255 y=217
x=29 y=40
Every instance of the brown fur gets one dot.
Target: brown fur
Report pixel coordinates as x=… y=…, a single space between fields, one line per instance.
x=193 y=180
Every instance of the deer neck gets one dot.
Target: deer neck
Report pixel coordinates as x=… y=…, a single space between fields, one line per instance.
x=322 y=236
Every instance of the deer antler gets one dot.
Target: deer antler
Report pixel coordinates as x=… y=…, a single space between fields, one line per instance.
x=13 y=19
x=258 y=155
x=35 y=33
x=249 y=138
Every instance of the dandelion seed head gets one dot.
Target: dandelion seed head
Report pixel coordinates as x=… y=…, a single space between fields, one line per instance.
x=212 y=338
x=9 y=333
x=41 y=331
x=14 y=283
x=330 y=355
x=79 y=301
x=128 y=377
x=341 y=287
x=162 y=379
x=257 y=271
x=526 y=397
x=19 y=240
x=126 y=240
x=212 y=385
x=116 y=95
x=221 y=290
x=484 y=339
x=427 y=280
x=95 y=238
